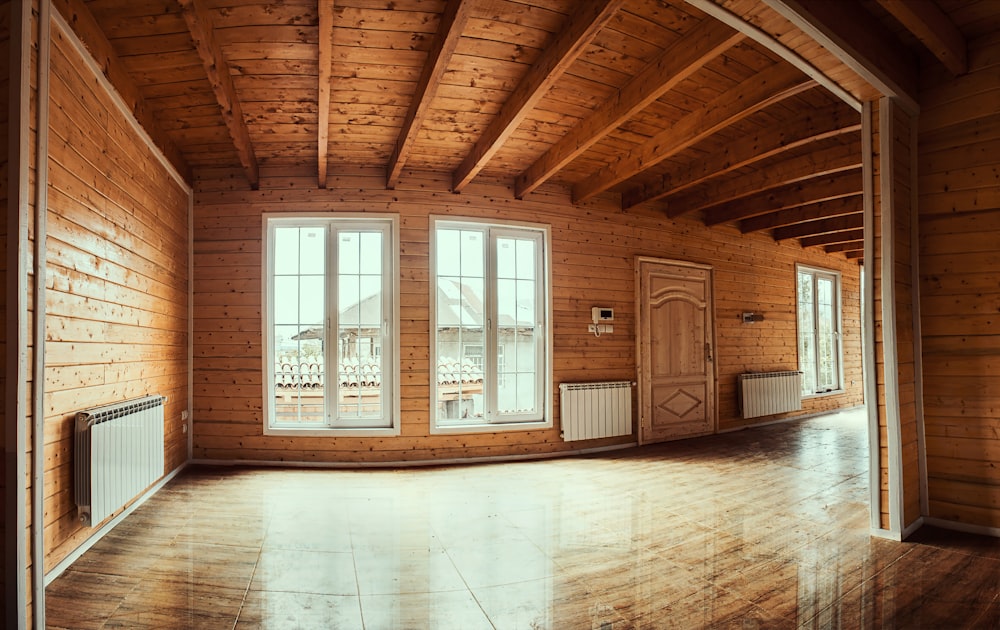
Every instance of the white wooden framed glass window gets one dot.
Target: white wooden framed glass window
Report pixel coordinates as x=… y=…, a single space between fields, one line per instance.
x=490 y=340
x=330 y=318
x=818 y=316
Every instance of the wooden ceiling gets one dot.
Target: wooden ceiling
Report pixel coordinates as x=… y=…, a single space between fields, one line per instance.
x=653 y=100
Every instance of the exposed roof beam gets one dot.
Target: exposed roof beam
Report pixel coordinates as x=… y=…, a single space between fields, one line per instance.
x=849 y=246
x=809 y=212
x=855 y=254
x=833 y=237
x=859 y=41
x=826 y=161
x=934 y=29
x=809 y=126
x=822 y=226
x=325 y=10
x=79 y=17
x=453 y=21
x=769 y=41
x=810 y=191
x=676 y=63
x=584 y=24
x=765 y=88
x=217 y=69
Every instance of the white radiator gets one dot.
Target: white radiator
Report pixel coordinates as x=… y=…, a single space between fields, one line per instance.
x=118 y=454
x=767 y=393
x=595 y=410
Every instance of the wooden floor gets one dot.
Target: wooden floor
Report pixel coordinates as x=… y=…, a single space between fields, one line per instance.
x=765 y=528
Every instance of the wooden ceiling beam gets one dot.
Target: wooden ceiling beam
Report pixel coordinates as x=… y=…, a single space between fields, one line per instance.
x=859 y=41
x=809 y=126
x=843 y=184
x=767 y=87
x=453 y=20
x=849 y=246
x=856 y=254
x=676 y=63
x=821 y=226
x=826 y=161
x=83 y=23
x=586 y=21
x=199 y=24
x=325 y=23
x=808 y=212
x=833 y=237
x=934 y=29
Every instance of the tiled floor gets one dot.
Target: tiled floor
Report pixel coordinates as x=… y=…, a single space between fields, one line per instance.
x=760 y=529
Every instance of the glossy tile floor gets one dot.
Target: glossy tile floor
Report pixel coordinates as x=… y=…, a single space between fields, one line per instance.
x=765 y=528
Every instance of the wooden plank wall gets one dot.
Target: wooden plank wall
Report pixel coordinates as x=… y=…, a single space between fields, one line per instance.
x=594 y=247
x=117 y=279
x=959 y=189
x=4 y=120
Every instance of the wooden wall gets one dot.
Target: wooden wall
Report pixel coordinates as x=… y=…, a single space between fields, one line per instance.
x=117 y=279
x=594 y=247
x=959 y=189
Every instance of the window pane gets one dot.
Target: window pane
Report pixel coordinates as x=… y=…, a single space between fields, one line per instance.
x=298 y=376
x=313 y=259
x=472 y=254
x=348 y=253
x=311 y=293
x=286 y=250
x=526 y=259
x=360 y=342
x=371 y=253
x=286 y=300
x=447 y=245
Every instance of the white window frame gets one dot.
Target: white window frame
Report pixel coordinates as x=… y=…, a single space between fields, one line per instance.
x=389 y=224
x=544 y=379
x=838 y=317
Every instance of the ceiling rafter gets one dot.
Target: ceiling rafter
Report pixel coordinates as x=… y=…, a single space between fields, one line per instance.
x=859 y=41
x=453 y=21
x=934 y=29
x=849 y=246
x=833 y=237
x=199 y=24
x=808 y=212
x=767 y=87
x=826 y=161
x=79 y=17
x=820 y=226
x=843 y=184
x=676 y=63
x=809 y=126
x=570 y=42
x=325 y=22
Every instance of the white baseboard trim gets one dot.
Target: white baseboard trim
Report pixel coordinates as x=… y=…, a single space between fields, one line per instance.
x=107 y=527
x=492 y=459
x=967 y=528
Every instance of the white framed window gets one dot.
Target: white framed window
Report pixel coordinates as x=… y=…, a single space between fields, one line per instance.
x=330 y=322
x=818 y=317
x=490 y=340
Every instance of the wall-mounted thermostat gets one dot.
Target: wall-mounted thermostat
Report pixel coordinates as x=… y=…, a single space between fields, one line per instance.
x=601 y=314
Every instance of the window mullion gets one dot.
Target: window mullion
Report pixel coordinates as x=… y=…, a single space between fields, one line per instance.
x=491 y=376
x=331 y=378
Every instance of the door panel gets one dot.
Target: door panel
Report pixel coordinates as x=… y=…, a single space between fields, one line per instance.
x=676 y=372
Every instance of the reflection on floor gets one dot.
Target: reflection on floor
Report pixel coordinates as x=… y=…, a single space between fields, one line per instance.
x=759 y=529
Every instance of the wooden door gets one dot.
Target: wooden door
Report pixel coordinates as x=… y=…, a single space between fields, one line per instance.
x=675 y=335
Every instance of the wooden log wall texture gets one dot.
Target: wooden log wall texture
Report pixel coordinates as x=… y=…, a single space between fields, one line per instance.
x=959 y=192
x=117 y=279
x=593 y=250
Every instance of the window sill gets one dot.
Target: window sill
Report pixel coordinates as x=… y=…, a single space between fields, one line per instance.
x=832 y=392
x=490 y=428
x=331 y=432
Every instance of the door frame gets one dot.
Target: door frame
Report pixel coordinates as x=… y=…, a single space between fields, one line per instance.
x=640 y=353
